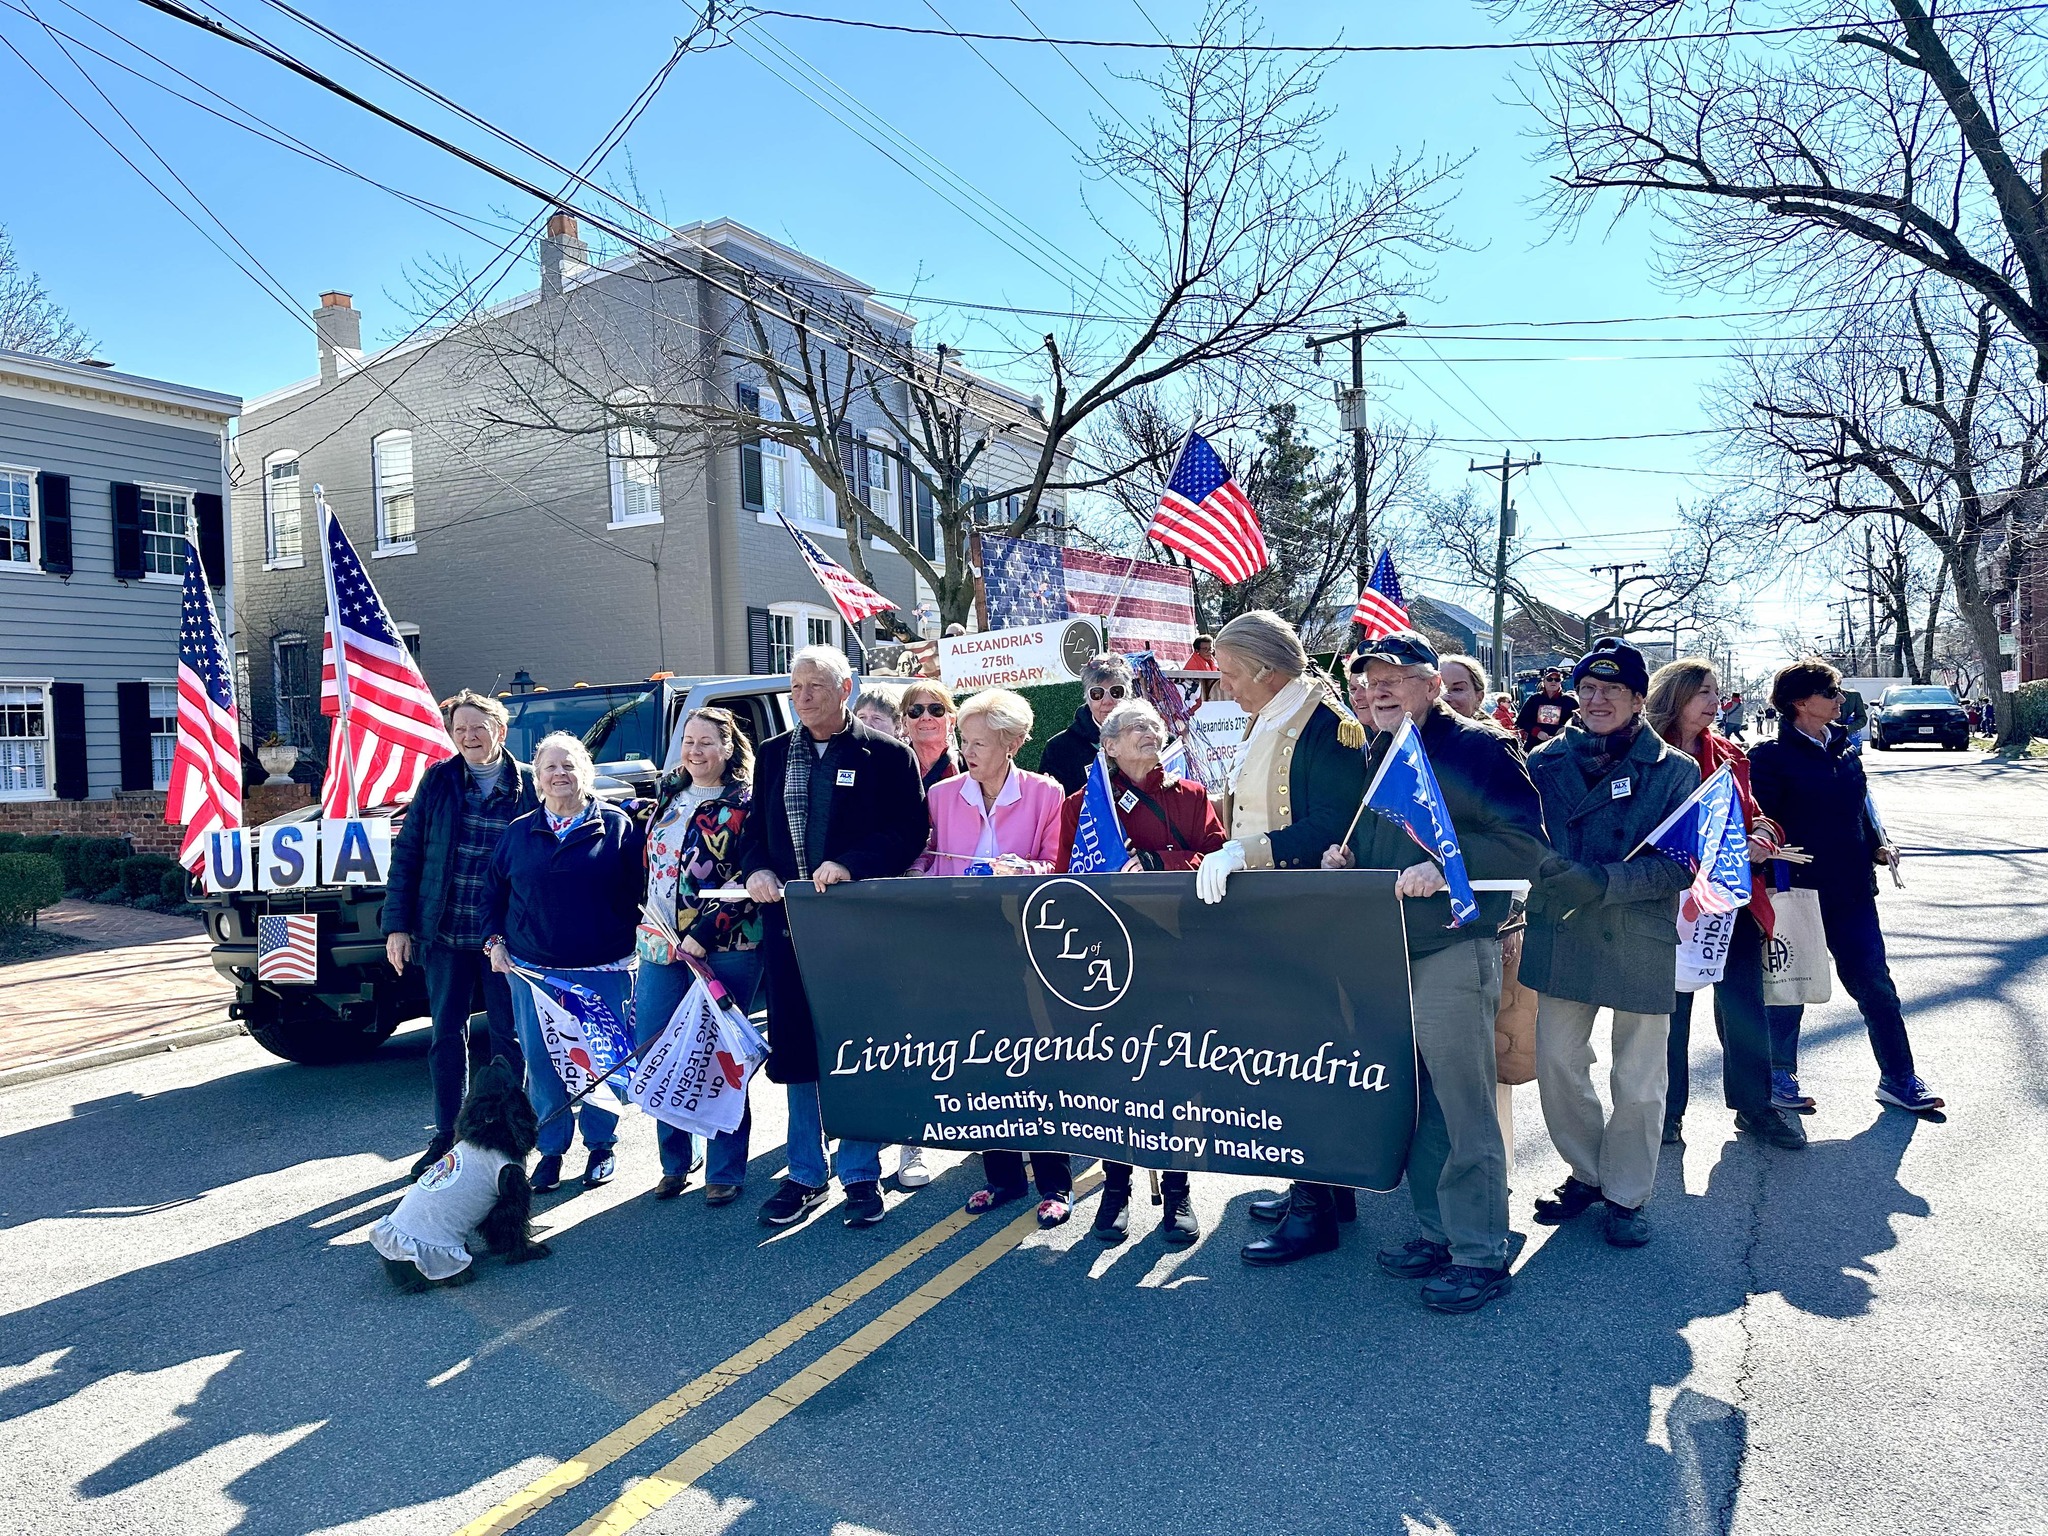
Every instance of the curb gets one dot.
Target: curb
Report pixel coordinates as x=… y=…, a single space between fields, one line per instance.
x=156 y=1045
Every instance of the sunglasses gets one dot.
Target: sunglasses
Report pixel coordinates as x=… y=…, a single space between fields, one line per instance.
x=1829 y=693
x=1114 y=691
x=919 y=711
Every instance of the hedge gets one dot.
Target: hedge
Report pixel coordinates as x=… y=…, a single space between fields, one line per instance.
x=1052 y=711
x=89 y=862
x=2031 y=707
x=29 y=882
x=144 y=874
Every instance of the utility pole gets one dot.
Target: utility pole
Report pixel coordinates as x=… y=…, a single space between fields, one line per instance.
x=1870 y=598
x=1614 y=603
x=1507 y=469
x=1351 y=413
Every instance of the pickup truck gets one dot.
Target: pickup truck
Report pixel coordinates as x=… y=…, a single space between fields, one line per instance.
x=356 y=1000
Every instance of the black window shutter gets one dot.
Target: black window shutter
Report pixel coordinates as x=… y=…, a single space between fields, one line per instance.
x=53 y=496
x=758 y=651
x=927 y=523
x=906 y=503
x=750 y=452
x=213 y=538
x=67 y=737
x=127 y=531
x=132 y=710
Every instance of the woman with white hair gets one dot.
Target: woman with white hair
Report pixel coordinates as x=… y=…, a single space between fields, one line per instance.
x=562 y=896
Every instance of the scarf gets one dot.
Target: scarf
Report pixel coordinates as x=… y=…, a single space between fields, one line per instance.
x=796 y=789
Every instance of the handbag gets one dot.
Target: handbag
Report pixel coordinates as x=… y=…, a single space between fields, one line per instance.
x=1796 y=953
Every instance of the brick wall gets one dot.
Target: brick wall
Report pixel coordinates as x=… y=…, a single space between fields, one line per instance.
x=139 y=817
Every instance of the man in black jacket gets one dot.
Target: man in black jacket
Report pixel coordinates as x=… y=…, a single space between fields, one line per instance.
x=1457 y=1162
x=1546 y=711
x=433 y=914
x=1106 y=681
x=833 y=801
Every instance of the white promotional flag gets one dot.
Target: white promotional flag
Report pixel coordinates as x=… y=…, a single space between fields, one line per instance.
x=695 y=1074
x=1703 y=949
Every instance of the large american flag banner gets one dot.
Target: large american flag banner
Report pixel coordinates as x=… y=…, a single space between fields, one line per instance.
x=1381 y=607
x=853 y=600
x=387 y=728
x=206 y=765
x=1205 y=514
x=1148 y=605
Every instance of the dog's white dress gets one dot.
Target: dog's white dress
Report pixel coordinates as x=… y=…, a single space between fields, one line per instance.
x=433 y=1223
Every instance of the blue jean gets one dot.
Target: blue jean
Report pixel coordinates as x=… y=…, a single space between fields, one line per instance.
x=660 y=989
x=1848 y=915
x=544 y=1085
x=859 y=1161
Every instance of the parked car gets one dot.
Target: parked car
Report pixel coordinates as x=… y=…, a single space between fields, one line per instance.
x=1921 y=714
x=356 y=1000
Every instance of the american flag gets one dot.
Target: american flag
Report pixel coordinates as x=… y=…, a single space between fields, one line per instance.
x=1149 y=606
x=387 y=728
x=854 y=601
x=1381 y=607
x=288 y=948
x=206 y=766
x=1205 y=515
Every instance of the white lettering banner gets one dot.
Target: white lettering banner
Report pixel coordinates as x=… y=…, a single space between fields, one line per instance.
x=1018 y=658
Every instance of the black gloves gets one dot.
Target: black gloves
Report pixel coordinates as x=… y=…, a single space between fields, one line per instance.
x=1567 y=885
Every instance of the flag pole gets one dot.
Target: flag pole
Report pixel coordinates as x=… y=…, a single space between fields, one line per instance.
x=341 y=694
x=1385 y=763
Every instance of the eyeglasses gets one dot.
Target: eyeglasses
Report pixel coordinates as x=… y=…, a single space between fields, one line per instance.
x=919 y=711
x=1114 y=691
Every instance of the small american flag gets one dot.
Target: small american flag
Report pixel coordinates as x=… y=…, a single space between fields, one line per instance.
x=288 y=948
x=854 y=601
x=387 y=728
x=1204 y=514
x=1381 y=607
x=206 y=765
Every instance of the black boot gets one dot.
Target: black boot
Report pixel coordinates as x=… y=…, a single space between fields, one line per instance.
x=1309 y=1227
x=1113 y=1214
x=1177 y=1225
x=1274 y=1207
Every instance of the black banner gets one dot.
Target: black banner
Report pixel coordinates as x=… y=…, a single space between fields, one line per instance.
x=1118 y=1016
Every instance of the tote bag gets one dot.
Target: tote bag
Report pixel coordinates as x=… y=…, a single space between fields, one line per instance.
x=1796 y=953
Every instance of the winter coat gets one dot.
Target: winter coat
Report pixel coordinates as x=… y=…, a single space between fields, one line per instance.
x=421 y=876
x=1067 y=756
x=1320 y=783
x=1818 y=797
x=571 y=901
x=707 y=857
x=1620 y=951
x=1190 y=827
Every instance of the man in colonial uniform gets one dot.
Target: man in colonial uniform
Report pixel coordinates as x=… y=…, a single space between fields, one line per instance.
x=1299 y=785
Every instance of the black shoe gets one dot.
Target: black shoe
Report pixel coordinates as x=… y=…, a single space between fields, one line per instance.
x=599 y=1170
x=1275 y=1207
x=863 y=1204
x=547 y=1174
x=1774 y=1126
x=1178 y=1227
x=437 y=1149
x=1627 y=1228
x=1416 y=1259
x=1309 y=1228
x=1674 y=1133
x=1572 y=1199
x=1113 y=1215
x=790 y=1204
x=1464 y=1288
x=670 y=1186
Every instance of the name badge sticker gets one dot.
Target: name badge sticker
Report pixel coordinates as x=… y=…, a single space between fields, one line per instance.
x=1127 y=801
x=1620 y=789
x=845 y=780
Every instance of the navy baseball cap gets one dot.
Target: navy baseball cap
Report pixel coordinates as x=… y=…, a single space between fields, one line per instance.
x=1404 y=648
x=1614 y=660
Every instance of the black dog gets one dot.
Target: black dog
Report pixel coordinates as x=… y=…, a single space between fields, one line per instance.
x=430 y=1228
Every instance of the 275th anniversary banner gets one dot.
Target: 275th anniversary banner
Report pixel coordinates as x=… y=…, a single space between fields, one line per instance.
x=1117 y=1016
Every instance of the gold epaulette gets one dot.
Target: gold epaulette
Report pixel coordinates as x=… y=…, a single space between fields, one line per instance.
x=1350 y=733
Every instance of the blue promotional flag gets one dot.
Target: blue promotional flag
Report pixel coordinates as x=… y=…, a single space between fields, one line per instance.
x=1405 y=790
x=1707 y=835
x=585 y=1040
x=1099 y=847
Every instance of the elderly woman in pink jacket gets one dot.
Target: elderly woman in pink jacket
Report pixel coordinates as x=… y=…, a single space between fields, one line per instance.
x=998 y=819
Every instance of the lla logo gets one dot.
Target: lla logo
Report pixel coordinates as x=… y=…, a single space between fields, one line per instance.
x=1077 y=944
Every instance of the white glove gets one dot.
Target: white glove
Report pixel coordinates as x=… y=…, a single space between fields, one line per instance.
x=1214 y=871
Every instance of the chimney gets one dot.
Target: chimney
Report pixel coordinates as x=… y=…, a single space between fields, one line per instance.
x=339 y=329
x=562 y=254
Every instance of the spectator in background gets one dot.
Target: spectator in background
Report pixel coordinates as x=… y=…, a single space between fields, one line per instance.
x=928 y=727
x=1733 y=713
x=1465 y=686
x=700 y=814
x=1106 y=681
x=563 y=897
x=1203 y=657
x=880 y=708
x=1504 y=714
x=433 y=914
x=1545 y=712
x=839 y=802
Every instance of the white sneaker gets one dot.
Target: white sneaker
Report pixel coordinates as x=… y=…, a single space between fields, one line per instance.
x=911 y=1172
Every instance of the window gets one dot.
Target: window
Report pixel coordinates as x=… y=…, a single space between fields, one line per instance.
x=792 y=626
x=410 y=634
x=163 y=733
x=636 y=477
x=166 y=516
x=881 y=479
x=292 y=683
x=284 y=528
x=17 y=517
x=391 y=462
x=24 y=741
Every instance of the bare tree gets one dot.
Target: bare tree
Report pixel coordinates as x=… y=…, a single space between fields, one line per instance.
x=30 y=320
x=1903 y=582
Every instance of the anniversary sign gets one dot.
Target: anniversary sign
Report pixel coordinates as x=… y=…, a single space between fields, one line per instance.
x=1117 y=1016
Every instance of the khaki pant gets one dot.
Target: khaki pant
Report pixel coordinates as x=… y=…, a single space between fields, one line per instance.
x=1618 y=1153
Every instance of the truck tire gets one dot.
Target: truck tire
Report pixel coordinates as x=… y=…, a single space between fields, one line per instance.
x=308 y=1032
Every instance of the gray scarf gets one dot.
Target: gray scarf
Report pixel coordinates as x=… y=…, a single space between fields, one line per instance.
x=796 y=791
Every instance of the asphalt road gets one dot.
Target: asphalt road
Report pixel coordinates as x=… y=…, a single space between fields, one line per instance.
x=195 y=1337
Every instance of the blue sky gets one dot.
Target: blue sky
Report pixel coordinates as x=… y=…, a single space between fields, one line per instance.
x=728 y=138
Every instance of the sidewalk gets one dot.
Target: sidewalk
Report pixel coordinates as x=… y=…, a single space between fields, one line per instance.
x=144 y=976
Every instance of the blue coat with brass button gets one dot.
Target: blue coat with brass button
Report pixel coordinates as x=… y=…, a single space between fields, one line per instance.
x=1622 y=950
x=1324 y=780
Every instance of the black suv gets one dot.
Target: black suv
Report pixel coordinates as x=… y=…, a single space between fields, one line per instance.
x=1924 y=715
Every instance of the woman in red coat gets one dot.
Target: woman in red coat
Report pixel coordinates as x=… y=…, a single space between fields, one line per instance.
x=1168 y=823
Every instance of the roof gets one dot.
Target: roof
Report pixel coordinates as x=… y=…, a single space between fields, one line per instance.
x=1454 y=611
x=89 y=385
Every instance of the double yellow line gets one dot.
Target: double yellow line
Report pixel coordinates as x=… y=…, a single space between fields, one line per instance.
x=626 y=1511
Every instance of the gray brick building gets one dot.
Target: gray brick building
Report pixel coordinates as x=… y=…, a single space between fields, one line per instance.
x=520 y=515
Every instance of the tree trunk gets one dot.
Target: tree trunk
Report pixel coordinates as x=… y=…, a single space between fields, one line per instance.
x=1974 y=608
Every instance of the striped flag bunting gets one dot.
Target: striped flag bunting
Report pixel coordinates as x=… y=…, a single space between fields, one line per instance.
x=1204 y=514
x=206 y=764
